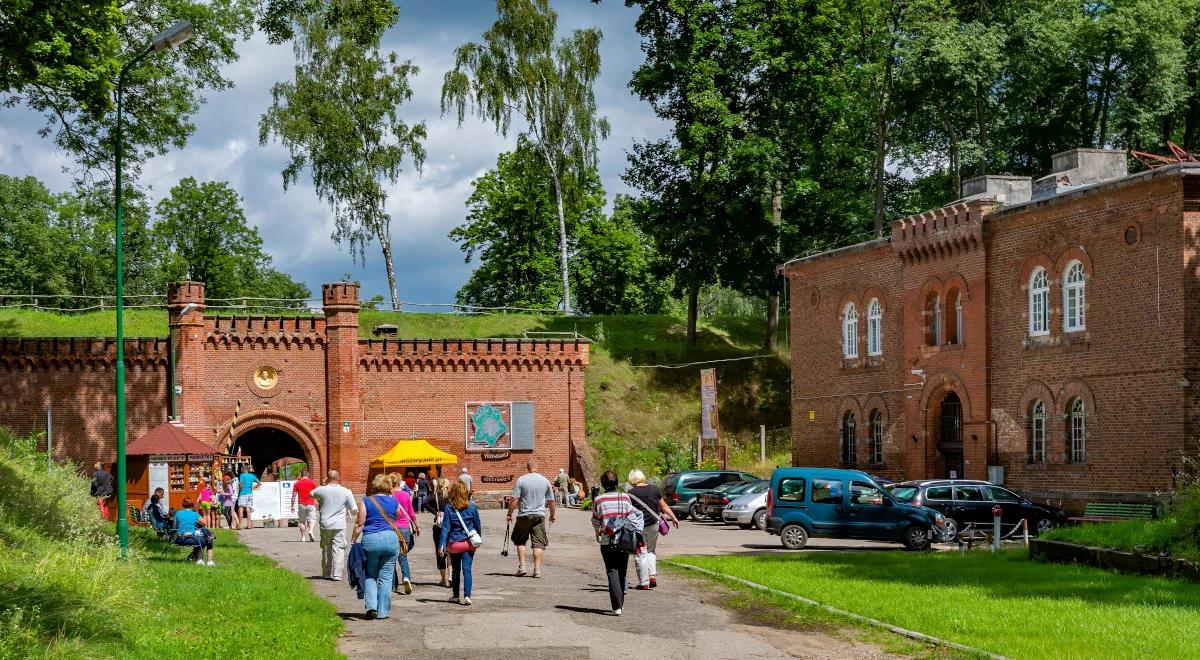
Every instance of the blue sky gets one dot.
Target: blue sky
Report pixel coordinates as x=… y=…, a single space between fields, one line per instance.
x=294 y=225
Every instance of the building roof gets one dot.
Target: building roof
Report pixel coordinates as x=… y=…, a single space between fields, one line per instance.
x=167 y=438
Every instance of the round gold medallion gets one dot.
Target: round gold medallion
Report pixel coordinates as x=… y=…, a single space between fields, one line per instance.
x=266 y=377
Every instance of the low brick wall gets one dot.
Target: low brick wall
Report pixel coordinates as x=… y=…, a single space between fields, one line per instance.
x=1114 y=560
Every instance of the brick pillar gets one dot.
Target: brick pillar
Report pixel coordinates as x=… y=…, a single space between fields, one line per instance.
x=187 y=336
x=343 y=396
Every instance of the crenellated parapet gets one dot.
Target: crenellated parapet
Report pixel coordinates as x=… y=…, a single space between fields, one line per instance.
x=941 y=232
x=264 y=331
x=385 y=354
x=80 y=354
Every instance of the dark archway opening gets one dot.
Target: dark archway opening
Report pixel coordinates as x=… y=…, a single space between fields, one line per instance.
x=950 y=442
x=266 y=445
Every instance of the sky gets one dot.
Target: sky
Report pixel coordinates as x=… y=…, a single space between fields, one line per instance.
x=295 y=225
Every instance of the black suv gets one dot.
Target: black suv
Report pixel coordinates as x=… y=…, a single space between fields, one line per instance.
x=964 y=501
x=682 y=490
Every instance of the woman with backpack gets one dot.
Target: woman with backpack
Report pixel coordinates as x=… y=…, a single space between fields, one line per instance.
x=618 y=527
x=461 y=536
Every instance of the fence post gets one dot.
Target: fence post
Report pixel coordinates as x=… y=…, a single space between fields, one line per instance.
x=1025 y=526
x=996 y=513
x=49 y=436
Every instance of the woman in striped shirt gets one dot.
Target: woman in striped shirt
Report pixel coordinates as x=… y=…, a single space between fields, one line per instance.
x=609 y=507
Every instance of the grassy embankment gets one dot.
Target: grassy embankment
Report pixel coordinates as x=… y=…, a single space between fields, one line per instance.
x=65 y=594
x=1002 y=604
x=629 y=410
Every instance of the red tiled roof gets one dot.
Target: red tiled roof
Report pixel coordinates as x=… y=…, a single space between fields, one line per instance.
x=167 y=438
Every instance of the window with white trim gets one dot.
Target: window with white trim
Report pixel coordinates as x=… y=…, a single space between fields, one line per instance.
x=1077 y=429
x=874 y=327
x=956 y=338
x=876 y=437
x=938 y=339
x=1073 y=297
x=1039 y=303
x=849 y=441
x=850 y=331
x=1037 y=432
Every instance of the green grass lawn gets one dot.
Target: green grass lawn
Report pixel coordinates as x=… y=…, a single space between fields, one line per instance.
x=1003 y=604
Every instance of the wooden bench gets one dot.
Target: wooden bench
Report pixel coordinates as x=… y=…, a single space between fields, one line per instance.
x=1111 y=511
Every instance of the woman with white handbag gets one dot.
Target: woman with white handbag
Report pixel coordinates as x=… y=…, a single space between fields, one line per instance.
x=460 y=539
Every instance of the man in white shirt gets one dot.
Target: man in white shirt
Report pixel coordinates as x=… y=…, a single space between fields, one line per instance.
x=335 y=502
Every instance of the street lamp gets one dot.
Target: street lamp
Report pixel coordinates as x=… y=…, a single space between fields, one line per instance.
x=188 y=308
x=173 y=36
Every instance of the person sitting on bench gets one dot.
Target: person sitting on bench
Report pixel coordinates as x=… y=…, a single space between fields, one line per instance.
x=190 y=530
x=156 y=510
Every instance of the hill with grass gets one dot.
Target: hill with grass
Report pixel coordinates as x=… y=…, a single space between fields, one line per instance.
x=637 y=414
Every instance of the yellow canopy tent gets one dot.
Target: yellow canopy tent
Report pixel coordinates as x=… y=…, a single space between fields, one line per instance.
x=413 y=453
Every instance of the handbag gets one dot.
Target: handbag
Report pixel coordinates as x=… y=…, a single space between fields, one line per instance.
x=399 y=534
x=663 y=526
x=473 y=536
x=626 y=534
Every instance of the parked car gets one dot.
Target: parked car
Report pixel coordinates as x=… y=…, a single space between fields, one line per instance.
x=804 y=502
x=748 y=510
x=964 y=501
x=714 y=501
x=682 y=490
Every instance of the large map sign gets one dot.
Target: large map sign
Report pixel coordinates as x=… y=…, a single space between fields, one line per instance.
x=488 y=425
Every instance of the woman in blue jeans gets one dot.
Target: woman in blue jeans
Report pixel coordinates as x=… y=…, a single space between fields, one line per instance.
x=380 y=544
x=459 y=518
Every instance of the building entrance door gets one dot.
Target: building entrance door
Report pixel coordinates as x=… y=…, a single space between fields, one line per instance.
x=950 y=442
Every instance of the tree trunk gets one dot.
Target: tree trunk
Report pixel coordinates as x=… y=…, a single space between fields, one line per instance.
x=951 y=135
x=880 y=163
x=562 y=242
x=693 y=312
x=772 y=339
x=385 y=243
x=981 y=118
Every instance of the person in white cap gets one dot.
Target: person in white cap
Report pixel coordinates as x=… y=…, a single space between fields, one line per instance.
x=467 y=481
x=563 y=483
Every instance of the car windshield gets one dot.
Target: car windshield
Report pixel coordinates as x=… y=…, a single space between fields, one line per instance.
x=905 y=493
x=743 y=487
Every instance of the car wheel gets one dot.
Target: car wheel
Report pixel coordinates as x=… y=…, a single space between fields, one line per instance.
x=950 y=531
x=746 y=525
x=793 y=537
x=916 y=537
x=695 y=512
x=760 y=519
x=1044 y=525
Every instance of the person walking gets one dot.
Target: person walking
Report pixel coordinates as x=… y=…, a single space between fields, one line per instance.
x=334 y=501
x=376 y=528
x=467 y=480
x=563 y=483
x=648 y=499
x=102 y=489
x=434 y=504
x=460 y=520
x=422 y=490
x=190 y=530
x=228 y=499
x=406 y=524
x=307 y=513
x=530 y=496
x=611 y=511
x=247 y=484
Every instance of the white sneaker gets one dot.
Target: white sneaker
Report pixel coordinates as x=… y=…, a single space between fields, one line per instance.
x=211 y=564
x=617 y=612
x=200 y=562
x=407 y=587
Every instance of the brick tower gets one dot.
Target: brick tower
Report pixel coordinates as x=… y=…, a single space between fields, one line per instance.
x=343 y=392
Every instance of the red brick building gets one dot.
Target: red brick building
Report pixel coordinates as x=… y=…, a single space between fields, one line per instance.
x=1048 y=329
x=310 y=388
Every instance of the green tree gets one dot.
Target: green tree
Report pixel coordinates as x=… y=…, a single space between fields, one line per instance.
x=203 y=236
x=31 y=245
x=550 y=86
x=340 y=119
x=614 y=264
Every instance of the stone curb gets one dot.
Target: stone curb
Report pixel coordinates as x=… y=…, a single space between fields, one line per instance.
x=912 y=634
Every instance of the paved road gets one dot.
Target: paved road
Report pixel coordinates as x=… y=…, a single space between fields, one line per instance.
x=565 y=613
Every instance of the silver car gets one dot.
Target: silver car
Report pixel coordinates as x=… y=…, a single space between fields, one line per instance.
x=747 y=511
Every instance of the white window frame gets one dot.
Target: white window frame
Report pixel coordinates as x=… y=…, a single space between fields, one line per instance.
x=958 y=321
x=877 y=437
x=1039 y=303
x=874 y=327
x=938 y=339
x=1074 y=297
x=1077 y=427
x=1037 y=432
x=850 y=331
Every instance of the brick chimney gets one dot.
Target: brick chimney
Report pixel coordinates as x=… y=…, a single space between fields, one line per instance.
x=1081 y=167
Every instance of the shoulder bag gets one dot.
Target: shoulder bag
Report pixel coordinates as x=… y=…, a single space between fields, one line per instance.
x=399 y=534
x=473 y=536
x=663 y=526
x=626 y=535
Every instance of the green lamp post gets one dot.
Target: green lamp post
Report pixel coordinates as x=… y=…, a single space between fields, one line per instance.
x=173 y=36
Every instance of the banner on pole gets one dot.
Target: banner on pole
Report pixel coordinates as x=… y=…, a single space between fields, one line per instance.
x=709 y=426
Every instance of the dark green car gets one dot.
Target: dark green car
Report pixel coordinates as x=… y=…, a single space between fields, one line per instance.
x=682 y=490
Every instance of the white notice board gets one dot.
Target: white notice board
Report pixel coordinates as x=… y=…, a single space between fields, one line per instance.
x=273 y=499
x=158 y=479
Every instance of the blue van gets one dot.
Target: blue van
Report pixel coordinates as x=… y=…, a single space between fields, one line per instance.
x=804 y=502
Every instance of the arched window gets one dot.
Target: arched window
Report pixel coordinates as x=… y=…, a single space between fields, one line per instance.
x=876 y=437
x=954 y=319
x=1039 y=303
x=850 y=331
x=1073 y=297
x=849 y=451
x=933 y=320
x=874 y=327
x=1077 y=430
x=1037 y=432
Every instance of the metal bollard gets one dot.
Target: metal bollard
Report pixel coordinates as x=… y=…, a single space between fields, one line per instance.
x=996 y=513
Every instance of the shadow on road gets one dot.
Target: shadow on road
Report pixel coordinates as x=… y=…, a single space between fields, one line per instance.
x=582 y=610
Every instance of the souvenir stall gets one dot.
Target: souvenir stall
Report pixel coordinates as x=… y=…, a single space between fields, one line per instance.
x=169 y=458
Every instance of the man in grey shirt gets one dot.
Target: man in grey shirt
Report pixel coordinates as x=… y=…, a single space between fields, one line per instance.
x=530 y=496
x=335 y=501
x=467 y=480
